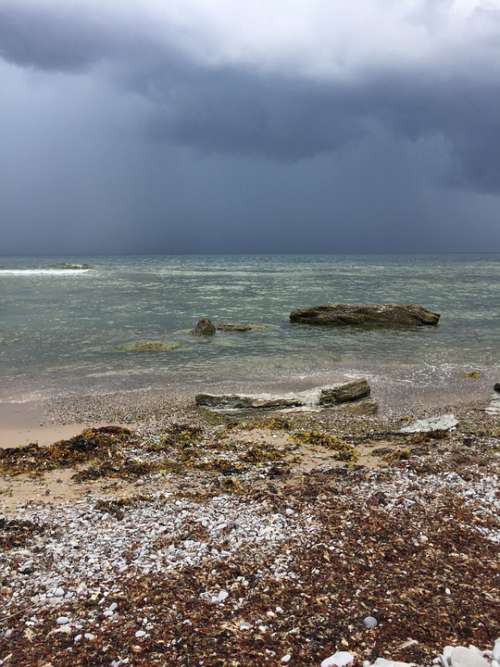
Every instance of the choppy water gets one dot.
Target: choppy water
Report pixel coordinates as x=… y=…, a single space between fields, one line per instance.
x=60 y=329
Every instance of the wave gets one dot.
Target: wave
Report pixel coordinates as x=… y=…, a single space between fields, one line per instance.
x=42 y=272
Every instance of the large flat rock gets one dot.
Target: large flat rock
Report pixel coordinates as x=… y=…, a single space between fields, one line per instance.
x=375 y=315
x=237 y=402
x=354 y=392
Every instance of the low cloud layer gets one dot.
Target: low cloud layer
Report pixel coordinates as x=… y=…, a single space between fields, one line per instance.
x=186 y=124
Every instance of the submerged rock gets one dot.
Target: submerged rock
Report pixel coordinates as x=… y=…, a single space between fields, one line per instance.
x=431 y=425
x=204 y=327
x=148 y=346
x=238 y=327
x=384 y=315
x=345 y=393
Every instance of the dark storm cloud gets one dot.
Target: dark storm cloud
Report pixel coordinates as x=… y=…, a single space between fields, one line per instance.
x=222 y=99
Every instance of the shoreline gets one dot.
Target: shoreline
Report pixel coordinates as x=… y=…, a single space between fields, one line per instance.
x=266 y=535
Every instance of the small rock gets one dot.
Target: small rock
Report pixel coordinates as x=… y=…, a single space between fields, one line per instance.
x=431 y=425
x=496 y=650
x=382 y=662
x=338 y=659
x=461 y=656
x=286 y=659
x=27 y=567
x=370 y=622
x=221 y=596
x=204 y=327
x=140 y=633
x=496 y=387
x=63 y=620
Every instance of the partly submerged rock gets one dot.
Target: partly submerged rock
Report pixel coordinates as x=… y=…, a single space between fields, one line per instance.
x=148 y=346
x=204 y=327
x=239 y=327
x=367 y=315
x=496 y=387
x=235 y=402
x=431 y=425
x=344 y=393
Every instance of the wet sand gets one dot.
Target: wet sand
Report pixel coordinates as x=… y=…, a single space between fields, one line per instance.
x=25 y=423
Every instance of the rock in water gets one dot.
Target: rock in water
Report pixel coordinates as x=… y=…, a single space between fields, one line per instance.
x=204 y=327
x=344 y=393
x=496 y=387
x=376 y=315
x=239 y=327
x=431 y=425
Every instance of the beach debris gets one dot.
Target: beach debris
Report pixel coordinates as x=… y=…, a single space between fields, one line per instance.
x=239 y=327
x=370 y=622
x=432 y=424
x=93 y=443
x=345 y=393
x=367 y=315
x=339 y=659
x=204 y=327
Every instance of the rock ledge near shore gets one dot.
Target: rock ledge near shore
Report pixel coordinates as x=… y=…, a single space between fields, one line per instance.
x=321 y=397
x=383 y=315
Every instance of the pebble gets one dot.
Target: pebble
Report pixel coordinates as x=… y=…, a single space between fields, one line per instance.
x=140 y=633
x=286 y=659
x=27 y=567
x=370 y=622
x=63 y=620
x=338 y=659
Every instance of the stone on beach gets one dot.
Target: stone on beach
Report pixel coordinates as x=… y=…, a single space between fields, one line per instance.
x=325 y=397
x=462 y=656
x=237 y=402
x=431 y=425
x=496 y=387
x=384 y=315
x=338 y=659
x=344 y=393
x=204 y=327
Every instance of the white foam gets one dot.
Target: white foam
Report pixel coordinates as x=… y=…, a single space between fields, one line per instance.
x=42 y=272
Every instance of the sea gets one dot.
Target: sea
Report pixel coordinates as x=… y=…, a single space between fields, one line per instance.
x=66 y=331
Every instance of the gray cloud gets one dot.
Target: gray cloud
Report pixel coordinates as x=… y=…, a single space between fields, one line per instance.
x=167 y=122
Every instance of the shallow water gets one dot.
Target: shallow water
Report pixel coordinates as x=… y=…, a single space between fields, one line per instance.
x=61 y=330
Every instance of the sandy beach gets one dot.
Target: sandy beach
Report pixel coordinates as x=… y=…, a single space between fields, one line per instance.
x=265 y=536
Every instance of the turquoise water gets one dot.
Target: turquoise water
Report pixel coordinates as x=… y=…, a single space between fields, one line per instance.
x=60 y=330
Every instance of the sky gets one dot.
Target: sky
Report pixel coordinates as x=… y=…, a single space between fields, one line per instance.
x=228 y=126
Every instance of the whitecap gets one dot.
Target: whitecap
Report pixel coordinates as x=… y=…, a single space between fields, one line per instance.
x=42 y=272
